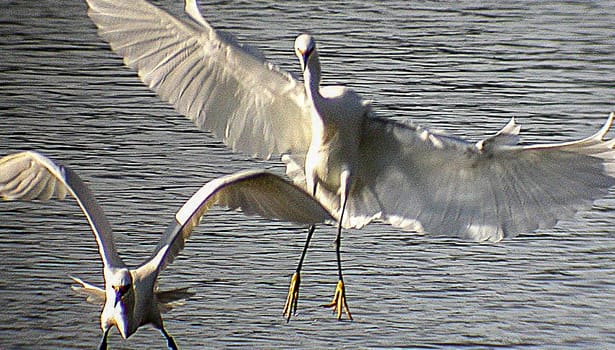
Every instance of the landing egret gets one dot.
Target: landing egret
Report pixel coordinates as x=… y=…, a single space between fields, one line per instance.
x=359 y=166
x=130 y=296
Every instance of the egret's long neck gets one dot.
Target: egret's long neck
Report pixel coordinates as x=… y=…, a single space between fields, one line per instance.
x=311 y=78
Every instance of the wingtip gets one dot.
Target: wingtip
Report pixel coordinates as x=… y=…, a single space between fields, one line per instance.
x=606 y=127
x=77 y=280
x=511 y=128
x=83 y=285
x=192 y=9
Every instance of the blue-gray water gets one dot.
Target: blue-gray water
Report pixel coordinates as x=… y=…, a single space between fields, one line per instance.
x=465 y=67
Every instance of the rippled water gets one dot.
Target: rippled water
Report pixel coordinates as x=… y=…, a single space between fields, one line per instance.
x=466 y=67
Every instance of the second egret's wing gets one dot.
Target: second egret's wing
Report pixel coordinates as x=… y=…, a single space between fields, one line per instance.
x=255 y=192
x=208 y=77
x=30 y=175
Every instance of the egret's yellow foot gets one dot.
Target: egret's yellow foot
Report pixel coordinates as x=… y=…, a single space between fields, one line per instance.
x=339 y=301
x=290 y=308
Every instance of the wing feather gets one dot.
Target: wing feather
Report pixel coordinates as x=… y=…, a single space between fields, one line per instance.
x=32 y=176
x=419 y=180
x=255 y=192
x=222 y=86
x=452 y=187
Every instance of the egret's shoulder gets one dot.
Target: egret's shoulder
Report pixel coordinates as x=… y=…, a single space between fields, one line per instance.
x=344 y=96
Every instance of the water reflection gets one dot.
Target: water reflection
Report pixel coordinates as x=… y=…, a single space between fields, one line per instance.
x=465 y=67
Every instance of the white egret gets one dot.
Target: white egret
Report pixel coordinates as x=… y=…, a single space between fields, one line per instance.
x=130 y=296
x=359 y=166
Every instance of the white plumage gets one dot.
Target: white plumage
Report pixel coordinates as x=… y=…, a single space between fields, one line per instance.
x=130 y=296
x=360 y=167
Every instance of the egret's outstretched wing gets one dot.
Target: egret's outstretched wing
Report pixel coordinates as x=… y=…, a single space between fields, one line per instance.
x=207 y=76
x=493 y=189
x=255 y=192
x=30 y=175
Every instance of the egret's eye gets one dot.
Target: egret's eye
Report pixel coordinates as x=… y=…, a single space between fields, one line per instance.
x=122 y=290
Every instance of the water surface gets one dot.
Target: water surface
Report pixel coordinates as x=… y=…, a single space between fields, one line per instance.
x=465 y=67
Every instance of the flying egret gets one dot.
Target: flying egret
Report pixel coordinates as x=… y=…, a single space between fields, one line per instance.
x=359 y=166
x=130 y=296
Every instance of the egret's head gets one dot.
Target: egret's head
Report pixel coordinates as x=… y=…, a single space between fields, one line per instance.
x=121 y=284
x=119 y=306
x=305 y=46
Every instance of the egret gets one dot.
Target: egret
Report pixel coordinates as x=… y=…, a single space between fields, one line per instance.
x=360 y=166
x=130 y=296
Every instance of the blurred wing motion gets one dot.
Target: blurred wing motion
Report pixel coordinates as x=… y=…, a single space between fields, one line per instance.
x=30 y=175
x=255 y=192
x=220 y=85
x=419 y=180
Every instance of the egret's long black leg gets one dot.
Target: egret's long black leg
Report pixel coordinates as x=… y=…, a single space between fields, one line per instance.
x=170 y=341
x=306 y=246
x=103 y=341
x=290 y=308
x=339 y=298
